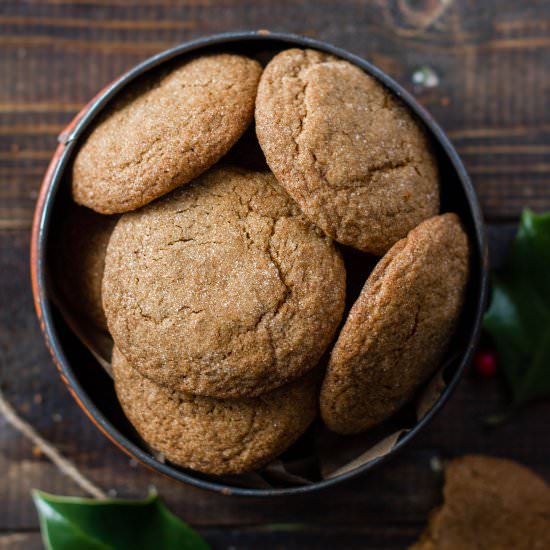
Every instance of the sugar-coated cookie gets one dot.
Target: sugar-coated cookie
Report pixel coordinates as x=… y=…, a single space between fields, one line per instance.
x=346 y=149
x=223 y=288
x=399 y=327
x=490 y=503
x=164 y=132
x=215 y=436
x=78 y=254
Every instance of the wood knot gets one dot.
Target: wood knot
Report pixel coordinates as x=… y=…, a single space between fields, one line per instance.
x=420 y=14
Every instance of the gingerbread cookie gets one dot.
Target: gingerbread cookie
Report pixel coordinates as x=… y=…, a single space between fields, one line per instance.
x=346 y=149
x=164 y=132
x=399 y=327
x=215 y=436
x=223 y=288
x=490 y=503
x=78 y=260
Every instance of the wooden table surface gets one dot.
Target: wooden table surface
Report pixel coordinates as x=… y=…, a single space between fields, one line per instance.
x=489 y=63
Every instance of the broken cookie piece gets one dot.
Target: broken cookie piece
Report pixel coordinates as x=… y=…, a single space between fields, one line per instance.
x=491 y=504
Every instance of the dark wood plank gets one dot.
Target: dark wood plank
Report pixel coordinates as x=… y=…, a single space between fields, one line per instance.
x=21 y=541
x=401 y=493
x=269 y=538
x=491 y=61
x=490 y=73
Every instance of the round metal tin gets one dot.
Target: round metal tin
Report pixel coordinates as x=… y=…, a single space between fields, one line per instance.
x=457 y=185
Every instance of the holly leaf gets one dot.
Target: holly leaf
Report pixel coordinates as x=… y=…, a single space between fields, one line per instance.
x=87 y=524
x=519 y=316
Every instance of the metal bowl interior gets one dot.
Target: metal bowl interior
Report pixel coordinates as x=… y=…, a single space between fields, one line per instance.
x=91 y=386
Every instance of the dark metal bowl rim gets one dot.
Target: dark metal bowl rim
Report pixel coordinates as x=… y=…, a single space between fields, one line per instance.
x=43 y=211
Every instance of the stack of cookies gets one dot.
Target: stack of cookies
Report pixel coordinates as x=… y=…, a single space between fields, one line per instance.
x=224 y=288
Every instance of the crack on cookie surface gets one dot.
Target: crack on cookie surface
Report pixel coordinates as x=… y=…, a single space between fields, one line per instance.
x=211 y=435
x=157 y=137
x=233 y=295
x=399 y=327
x=351 y=155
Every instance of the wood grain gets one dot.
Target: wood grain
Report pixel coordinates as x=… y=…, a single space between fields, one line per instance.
x=398 y=495
x=254 y=538
x=492 y=64
x=492 y=60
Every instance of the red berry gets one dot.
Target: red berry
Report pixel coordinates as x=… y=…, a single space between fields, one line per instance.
x=485 y=363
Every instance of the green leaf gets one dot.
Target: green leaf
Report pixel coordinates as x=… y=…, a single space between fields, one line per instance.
x=69 y=523
x=519 y=316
